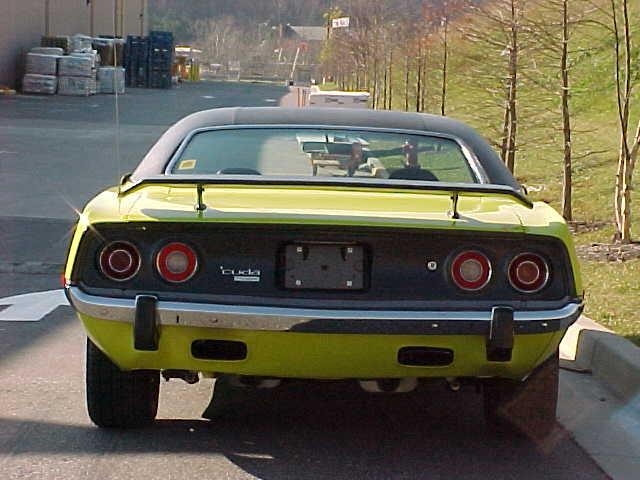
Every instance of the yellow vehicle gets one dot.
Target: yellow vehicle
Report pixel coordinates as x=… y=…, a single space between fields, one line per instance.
x=222 y=254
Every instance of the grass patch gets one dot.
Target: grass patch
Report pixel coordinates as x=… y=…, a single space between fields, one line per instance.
x=612 y=295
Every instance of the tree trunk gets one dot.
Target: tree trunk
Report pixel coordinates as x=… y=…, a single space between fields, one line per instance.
x=444 y=67
x=384 y=84
x=390 y=79
x=423 y=93
x=406 y=83
x=513 y=88
x=505 y=128
x=419 y=81
x=629 y=163
x=566 y=117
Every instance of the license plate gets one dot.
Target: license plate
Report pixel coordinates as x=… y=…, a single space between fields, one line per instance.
x=321 y=266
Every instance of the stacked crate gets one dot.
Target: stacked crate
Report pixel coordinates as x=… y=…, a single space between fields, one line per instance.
x=160 y=59
x=136 y=61
x=42 y=70
x=63 y=42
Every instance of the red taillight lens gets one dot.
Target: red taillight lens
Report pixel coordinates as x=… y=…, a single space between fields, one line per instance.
x=176 y=262
x=471 y=270
x=119 y=261
x=528 y=272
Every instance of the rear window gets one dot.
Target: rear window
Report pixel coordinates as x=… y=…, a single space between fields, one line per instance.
x=300 y=152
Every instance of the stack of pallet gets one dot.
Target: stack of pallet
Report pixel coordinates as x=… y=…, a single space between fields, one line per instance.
x=42 y=70
x=111 y=74
x=136 y=60
x=77 y=74
x=160 y=59
x=149 y=60
x=73 y=66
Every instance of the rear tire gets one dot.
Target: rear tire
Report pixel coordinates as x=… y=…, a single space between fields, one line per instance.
x=528 y=407
x=119 y=399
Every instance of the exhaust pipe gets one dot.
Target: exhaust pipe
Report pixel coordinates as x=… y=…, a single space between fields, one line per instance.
x=188 y=376
x=246 y=381
x=454 y=384
x=389 y=385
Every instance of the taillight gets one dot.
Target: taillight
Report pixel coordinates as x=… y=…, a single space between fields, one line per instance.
x=176 y=262
x=119 y=261
x=471 y=270
x=528 y=272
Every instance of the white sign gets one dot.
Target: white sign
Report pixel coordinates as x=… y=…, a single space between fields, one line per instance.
x=31 y=307
x=341 y=22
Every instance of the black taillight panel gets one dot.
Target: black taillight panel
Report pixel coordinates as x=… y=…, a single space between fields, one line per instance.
x=404 y=268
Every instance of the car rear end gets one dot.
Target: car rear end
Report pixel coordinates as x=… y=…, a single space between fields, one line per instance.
x=281 y=299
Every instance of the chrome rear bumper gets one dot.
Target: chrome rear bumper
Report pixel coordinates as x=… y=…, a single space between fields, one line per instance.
x=399 y=322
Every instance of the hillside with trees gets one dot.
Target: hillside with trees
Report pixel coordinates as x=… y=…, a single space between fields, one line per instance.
x=551 y=83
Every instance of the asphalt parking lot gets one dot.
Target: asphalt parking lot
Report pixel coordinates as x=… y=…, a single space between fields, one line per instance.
x=57 y=152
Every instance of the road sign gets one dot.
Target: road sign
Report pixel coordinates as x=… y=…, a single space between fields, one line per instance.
x=341 y=22
x=31 y=307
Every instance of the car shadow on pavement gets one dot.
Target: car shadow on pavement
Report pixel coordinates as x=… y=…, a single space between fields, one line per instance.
x=17 y=336
x=436 y=434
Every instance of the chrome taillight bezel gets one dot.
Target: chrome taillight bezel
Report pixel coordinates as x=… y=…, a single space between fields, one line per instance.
x=173 y=277
x=471 y=286
x=543 y=269
x=105 y=261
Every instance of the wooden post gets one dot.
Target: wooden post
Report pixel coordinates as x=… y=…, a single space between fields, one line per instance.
x=47 y=17
x=142 y=19
x=92 y=18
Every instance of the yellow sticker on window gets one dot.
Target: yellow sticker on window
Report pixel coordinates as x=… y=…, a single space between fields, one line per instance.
x=187 y=165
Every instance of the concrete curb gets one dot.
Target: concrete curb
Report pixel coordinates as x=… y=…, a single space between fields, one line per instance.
x=602 y=409
x=614 y=361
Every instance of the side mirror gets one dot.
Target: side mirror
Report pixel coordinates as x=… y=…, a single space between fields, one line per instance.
x=125 y=178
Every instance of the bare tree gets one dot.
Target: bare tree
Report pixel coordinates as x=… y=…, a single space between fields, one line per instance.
x=497 y=30
x=625 y=73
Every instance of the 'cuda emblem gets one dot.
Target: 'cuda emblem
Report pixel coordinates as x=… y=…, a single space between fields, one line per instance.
x=241 y=274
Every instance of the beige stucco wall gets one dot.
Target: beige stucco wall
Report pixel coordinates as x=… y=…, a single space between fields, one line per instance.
x=23 y=22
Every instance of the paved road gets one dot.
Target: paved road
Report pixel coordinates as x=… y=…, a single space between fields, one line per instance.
x=59 y=150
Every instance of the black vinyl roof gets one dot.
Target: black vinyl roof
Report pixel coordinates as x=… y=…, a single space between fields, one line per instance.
x=155 y=161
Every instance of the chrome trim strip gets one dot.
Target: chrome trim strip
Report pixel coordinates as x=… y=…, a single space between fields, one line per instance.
x=473 y=161
x=283 y=319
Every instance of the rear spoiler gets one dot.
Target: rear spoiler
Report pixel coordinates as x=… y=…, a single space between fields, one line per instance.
x=200 y=181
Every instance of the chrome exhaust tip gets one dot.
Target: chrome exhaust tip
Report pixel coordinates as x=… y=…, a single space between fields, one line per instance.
x=389 y=385
x=246 y=381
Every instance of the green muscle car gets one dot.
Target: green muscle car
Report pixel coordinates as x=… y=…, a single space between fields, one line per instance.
x=411 y=254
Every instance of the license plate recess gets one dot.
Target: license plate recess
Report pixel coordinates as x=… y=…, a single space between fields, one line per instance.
x=324 y=266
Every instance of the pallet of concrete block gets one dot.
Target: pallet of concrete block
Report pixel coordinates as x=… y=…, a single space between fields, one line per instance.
x=92 y=55
x=83 y=86
x=80 y=43
x=111 y=80
x=76 y=66
x=34 y=83
x=48 y=51
x=42 y=64
x=62 y=42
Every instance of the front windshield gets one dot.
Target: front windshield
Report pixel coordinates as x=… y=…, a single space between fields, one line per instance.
x=295 y=151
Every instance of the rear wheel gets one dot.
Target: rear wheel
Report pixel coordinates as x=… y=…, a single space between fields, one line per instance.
x=119 y=399
x=529 y=406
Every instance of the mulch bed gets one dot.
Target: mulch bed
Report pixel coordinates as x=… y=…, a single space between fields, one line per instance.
x=609 y=252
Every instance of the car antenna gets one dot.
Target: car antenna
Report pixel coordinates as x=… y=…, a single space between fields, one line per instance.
x=200 y=206
x=454 y=205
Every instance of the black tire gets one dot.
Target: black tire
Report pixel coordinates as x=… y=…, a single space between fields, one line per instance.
x=118 y=399
x=528 y=407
